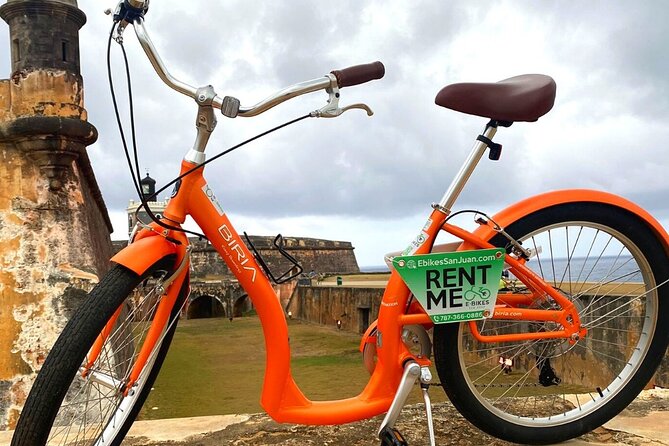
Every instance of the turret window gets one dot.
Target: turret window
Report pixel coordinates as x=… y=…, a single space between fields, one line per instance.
x=65 y=50
x=16 y=49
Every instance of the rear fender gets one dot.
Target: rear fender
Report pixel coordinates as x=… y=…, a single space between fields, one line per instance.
x=368 y=347
x=370 y=336
x=518 y=210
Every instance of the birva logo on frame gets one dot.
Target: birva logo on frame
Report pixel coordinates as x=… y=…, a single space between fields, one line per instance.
x=454 y=286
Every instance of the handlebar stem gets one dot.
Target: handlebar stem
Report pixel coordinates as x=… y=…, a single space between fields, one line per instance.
x=205 y=124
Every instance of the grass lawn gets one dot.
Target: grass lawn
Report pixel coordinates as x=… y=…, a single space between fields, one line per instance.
x=216 y=367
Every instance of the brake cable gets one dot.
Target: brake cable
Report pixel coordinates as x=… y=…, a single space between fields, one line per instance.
x=225 y=152
x=135 y=170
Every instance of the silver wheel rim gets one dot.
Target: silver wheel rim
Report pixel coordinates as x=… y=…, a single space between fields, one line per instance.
x=94 y=410
x=516 y=397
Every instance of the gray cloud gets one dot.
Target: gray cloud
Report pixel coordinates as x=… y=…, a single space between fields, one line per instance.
x=606 y=130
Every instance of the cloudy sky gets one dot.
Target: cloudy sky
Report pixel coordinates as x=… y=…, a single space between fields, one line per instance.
x=371 y=180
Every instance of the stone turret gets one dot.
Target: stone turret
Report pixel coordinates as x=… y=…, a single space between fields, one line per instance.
x=54 y=226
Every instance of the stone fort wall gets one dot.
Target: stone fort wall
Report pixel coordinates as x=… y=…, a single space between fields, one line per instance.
x=54 y=227
x=357 y=307
x=314 y=255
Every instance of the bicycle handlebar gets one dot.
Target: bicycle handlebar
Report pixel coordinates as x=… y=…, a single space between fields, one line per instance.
x=158 y=64
x=346 y=77
x=280 y=96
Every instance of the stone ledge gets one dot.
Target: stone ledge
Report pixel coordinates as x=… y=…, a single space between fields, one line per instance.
x=73 y=129
x=645 y=422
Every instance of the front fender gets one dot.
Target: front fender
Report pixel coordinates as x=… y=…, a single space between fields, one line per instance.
x=143 y=253
x=518 y=210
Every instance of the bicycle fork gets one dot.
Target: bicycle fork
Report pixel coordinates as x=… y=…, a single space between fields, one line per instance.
x=157 y=331
x=412 y=372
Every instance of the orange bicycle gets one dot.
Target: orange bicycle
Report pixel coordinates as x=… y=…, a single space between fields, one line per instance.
x=547 y=320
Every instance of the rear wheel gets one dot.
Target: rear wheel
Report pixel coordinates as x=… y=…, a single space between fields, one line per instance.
x=66 y=408
x=613 y=267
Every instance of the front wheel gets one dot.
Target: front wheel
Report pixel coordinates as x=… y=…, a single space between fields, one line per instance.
x=613 y=267
x=68 y=406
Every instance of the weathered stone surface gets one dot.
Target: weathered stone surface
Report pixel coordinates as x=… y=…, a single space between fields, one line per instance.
x=356 y=308
x=52 y=249
x=211 y=278
x=45 y=34
x=450 y=429
x=43 y=93
x=54 y=227
x=319 y=256
x=662 y=376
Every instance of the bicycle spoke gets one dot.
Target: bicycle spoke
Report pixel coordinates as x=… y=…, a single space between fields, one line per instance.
x=550 y=245
x=599 y=285
x=638 y=298
x=570 y=254
x=556 y=379
x=599 y=353
x=537 y=250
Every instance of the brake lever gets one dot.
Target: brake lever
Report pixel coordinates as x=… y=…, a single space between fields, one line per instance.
x=124 y=14
x=329 y=112
x=332 y=109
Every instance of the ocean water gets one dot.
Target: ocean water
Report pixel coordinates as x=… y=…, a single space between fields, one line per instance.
x=591 y=269
x=374 y=269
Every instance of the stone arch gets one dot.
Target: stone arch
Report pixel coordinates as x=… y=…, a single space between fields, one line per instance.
x=205 y=306
x=242 y=304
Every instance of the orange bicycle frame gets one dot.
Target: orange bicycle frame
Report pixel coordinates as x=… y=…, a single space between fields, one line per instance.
x=281 y=397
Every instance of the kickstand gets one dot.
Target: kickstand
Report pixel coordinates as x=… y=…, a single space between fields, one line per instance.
x=412 y=372
x=425 y=378
x=409 y=377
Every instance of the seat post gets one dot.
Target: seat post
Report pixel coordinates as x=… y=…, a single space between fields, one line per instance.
x=466 y=170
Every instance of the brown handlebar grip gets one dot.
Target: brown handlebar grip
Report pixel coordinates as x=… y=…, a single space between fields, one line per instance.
x=359 y=74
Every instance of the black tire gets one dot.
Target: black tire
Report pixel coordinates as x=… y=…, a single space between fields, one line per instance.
x=57 y=408
x=551 y=391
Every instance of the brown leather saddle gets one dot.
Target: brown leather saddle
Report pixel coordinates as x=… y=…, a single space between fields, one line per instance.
x=519 y=98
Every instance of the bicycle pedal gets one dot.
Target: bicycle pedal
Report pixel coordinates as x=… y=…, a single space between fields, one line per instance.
x=392 y=437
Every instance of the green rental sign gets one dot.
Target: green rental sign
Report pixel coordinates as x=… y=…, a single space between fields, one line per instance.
x=454 y=286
